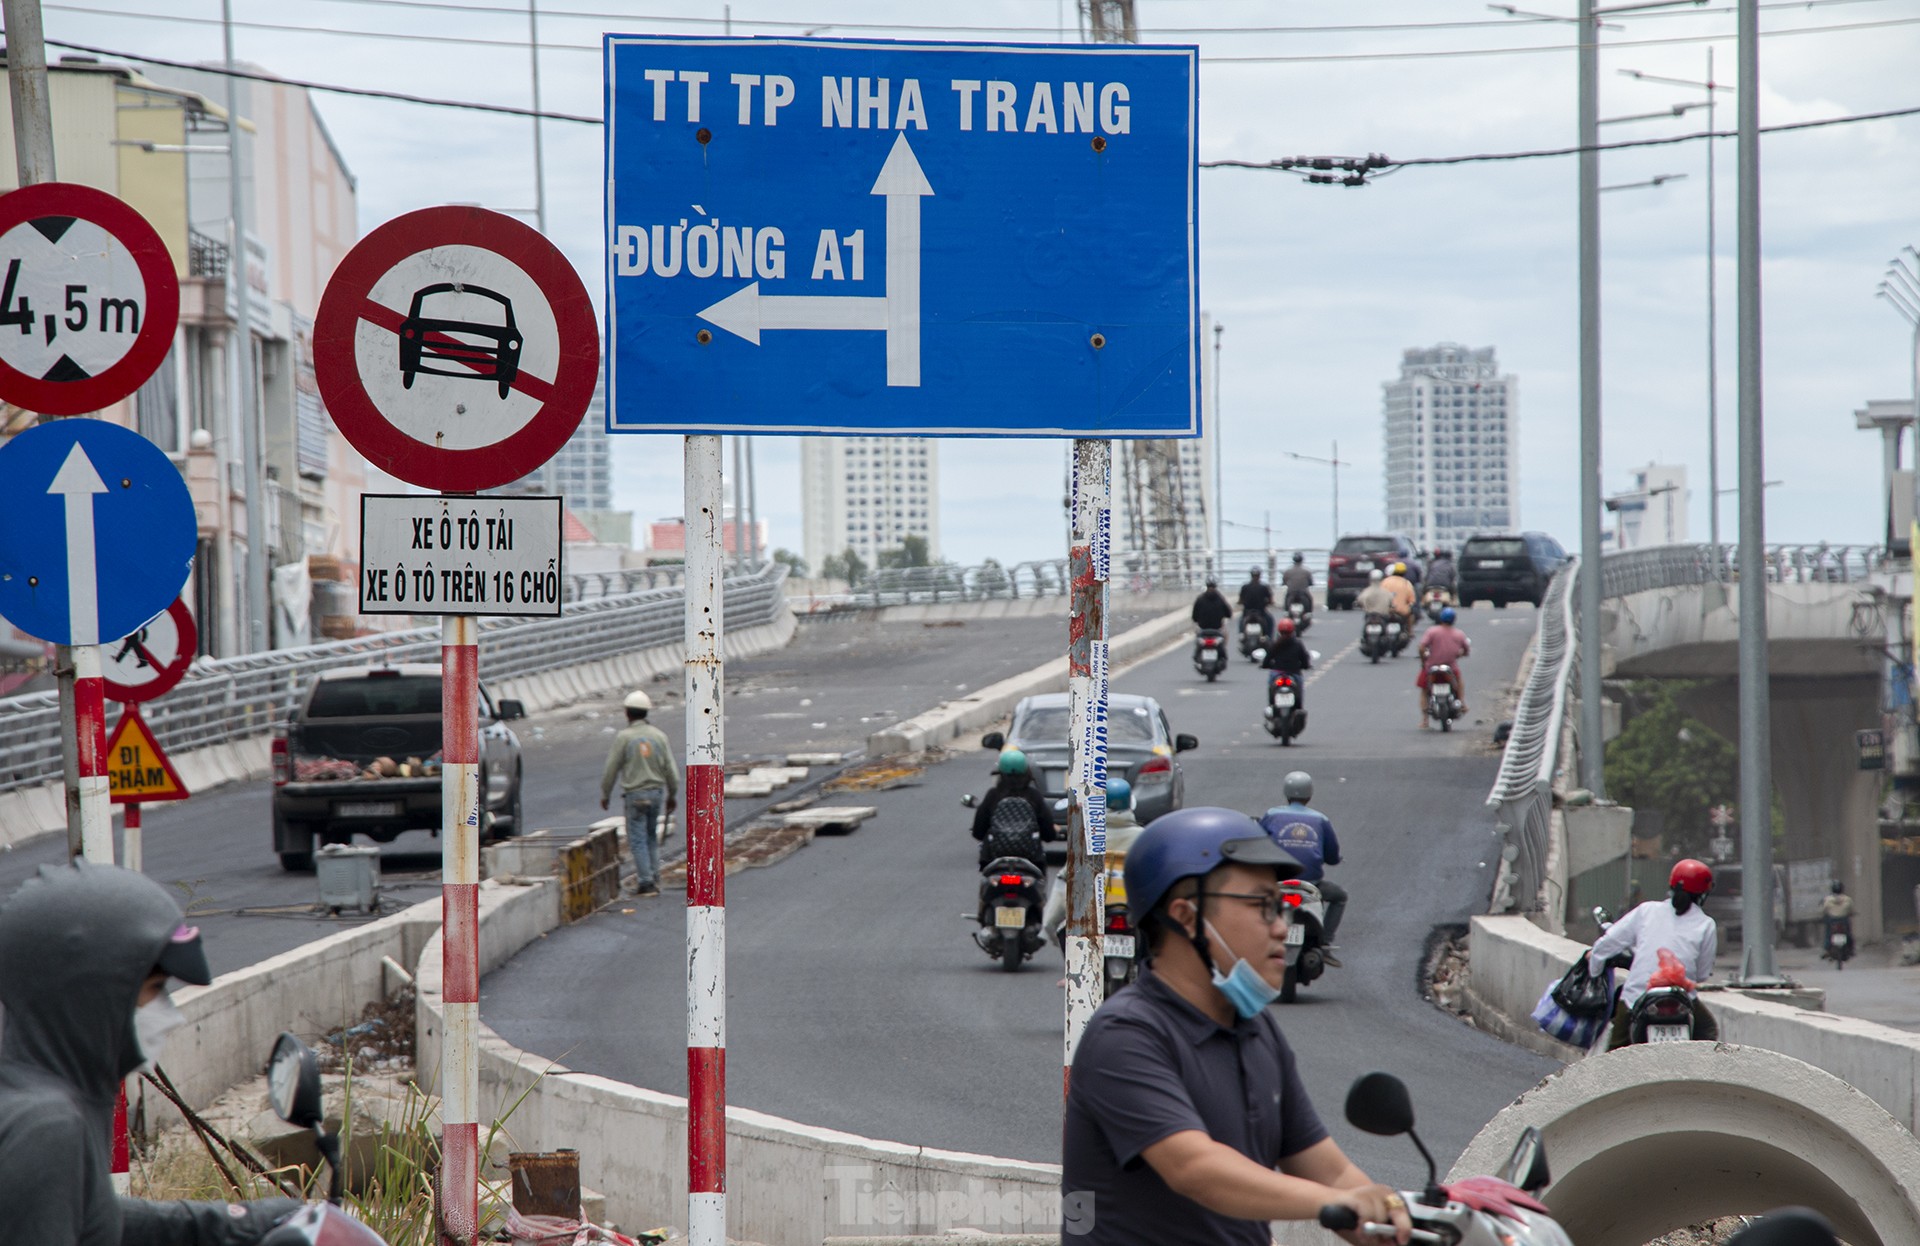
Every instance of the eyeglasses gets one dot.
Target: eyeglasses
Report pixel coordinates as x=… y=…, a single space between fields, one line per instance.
x=1272 y=906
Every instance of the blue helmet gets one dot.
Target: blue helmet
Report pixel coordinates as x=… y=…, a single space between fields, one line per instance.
x=1447 y=615
x=1190 y=842
x=1119 y=794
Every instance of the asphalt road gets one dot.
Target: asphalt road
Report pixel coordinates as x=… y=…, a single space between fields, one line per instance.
x=858 y=1001
x=837 y=682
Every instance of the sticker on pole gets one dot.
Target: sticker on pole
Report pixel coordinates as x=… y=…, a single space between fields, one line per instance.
x=88 y=299
x=99 y=533
x=150 y=661
x=454 y=555
x=137 y=771
x=456 y=348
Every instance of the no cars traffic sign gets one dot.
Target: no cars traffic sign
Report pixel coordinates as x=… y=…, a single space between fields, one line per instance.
x=456 y=348
x=835 y=236
x=150 y=661
x=88 y=299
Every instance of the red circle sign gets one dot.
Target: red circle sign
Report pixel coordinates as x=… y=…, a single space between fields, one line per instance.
x=150 y=662
x=456 y=348
x=88 y=299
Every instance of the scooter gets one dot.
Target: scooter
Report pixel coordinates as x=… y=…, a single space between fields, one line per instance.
x=1838 y=944
x=1285 y=718
x=1253 y=636
x=1501 y=1210
x=1210 y=654
x=1373 y=638
x=1434 y=600
x=1442 y=706
x=293 y=1090
x=1306 y=923
x=1399 y=632
x=1118 y=943
x=1013 y=898
x=1665 y=1012
x=1301 y=616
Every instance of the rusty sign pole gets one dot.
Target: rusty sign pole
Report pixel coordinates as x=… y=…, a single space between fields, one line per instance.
x=1089 y=558
x=706 y=858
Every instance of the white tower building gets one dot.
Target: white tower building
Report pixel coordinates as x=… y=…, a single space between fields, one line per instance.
x=867 y=494
x=1452 y=434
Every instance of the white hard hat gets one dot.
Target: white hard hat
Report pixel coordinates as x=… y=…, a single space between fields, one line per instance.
x=638 y=700
x=1374 y=577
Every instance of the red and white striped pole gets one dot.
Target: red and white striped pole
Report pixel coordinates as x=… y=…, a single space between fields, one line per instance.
x=460 y=928
x=706 y=856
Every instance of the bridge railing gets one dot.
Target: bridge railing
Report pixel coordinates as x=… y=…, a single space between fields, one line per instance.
x=1523 y=792
x=222 y=700
x=1132 y=571
x=1676 y=566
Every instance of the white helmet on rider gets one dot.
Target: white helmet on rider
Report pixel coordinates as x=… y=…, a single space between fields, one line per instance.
x=1374 y=577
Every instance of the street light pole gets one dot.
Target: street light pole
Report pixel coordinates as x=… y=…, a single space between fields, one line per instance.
x=1592 y=748
x=1336 y=463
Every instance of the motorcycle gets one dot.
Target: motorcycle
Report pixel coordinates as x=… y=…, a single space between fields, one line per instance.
x=1013 y=898
x=1307 y=916
x=293 y=1091
x=1434 y=600
x=1838 y=944
x=1501 y=1210
x=1118 y=941
x=1285 y=717
x=1665 y=1012
x=1399 y=632
x=1253 y=636
x=1301 y=616
x=1210 y=654
x=1373 y=638
x=1442 y=705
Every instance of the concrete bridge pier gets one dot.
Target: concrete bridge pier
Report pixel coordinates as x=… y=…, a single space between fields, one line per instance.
x=1831 y=806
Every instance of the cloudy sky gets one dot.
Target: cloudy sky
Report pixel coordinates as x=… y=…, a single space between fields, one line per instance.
x=1319 y=288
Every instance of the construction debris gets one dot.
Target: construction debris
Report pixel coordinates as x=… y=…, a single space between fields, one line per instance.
x=885 y=772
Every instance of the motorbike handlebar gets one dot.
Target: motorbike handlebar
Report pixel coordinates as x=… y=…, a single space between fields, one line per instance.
x=1338 y=1216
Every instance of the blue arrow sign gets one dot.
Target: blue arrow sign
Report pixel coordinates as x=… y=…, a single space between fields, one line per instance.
x=815 y=236
x=99 y=533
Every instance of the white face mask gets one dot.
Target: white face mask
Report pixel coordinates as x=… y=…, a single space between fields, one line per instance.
x=152 y=1022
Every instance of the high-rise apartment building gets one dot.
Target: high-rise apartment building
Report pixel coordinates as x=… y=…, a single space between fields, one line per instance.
x=582 y=470
x=868 y=494
x=1452 y=434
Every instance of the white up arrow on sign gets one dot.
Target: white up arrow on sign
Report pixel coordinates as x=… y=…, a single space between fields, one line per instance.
x=78 y=481
x=746 y=313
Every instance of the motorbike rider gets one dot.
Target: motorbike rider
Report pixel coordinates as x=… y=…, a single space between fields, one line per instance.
x=86 y=954
x=1374 y=598
x=1836 y=911
x=1187 y=1119
x=1211 y=610
x=1256 y=603
x=1443 y=644
x=1122 y=829
x=1404 y=595
x=1307 y=835
x=1288 y=653
x=1680 y=925
x=1298 y=581
x=1440 y=570
x=1025 y=821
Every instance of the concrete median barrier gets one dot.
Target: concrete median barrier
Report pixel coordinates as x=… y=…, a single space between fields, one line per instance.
x=957 y=717
x=1654 y=1138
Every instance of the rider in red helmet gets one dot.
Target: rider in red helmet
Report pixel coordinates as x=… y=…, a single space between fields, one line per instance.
x=1680 y=926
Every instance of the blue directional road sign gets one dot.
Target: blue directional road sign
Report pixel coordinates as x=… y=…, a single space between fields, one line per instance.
x=99 y=532
x=826 y=236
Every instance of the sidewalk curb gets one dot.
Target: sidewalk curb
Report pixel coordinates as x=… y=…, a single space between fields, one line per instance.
x=957 y=717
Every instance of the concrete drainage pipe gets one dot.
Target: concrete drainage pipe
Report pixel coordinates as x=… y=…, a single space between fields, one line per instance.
x=1649 y=1139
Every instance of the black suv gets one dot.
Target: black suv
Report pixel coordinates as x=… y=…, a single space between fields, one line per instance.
x=1354 y=558
x=1501 y=569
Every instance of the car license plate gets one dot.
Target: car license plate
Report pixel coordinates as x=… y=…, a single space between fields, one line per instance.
x=1117 y=945
x=1283 y=699
x=1296 y=936
x=1009 y=917
x=1492 y=564
x=1365 y=564
x=1373 y=629
x=1668 y=1034
x=367 y=809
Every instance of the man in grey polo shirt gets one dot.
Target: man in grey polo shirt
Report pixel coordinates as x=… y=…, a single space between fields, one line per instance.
x=1186 y=1118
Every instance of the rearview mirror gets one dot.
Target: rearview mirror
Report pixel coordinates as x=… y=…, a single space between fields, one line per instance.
x=511 y=709
x=1185 y=743
x=1379 y=1104
x=993 y=740
x=293 y=1082
x=1526 y=1168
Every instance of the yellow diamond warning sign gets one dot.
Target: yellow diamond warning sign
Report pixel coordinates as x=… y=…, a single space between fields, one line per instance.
x=136 y=768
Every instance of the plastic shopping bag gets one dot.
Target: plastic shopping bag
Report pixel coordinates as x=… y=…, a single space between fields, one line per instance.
x=1557 y=1022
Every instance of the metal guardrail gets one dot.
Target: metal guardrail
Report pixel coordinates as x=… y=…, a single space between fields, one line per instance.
x=1675 y=566
x=226 y=699
x=588 y=585
x=1523 y=791
x=1132 y=571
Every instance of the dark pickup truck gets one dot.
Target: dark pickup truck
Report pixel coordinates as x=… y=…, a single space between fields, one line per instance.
x=362 y=757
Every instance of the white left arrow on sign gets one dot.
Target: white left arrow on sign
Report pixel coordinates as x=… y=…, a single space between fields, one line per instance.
x=746 y=313
x=78 y=482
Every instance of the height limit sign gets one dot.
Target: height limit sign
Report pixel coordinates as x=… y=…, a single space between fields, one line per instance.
x=459 y=555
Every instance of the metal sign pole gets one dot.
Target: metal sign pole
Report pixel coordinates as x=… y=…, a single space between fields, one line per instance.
x=131 y=854
x=706 y=859
x=1088 y=560
x=460 y=927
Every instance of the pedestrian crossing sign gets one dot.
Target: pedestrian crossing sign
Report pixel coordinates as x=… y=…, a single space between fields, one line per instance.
x=137 y=771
